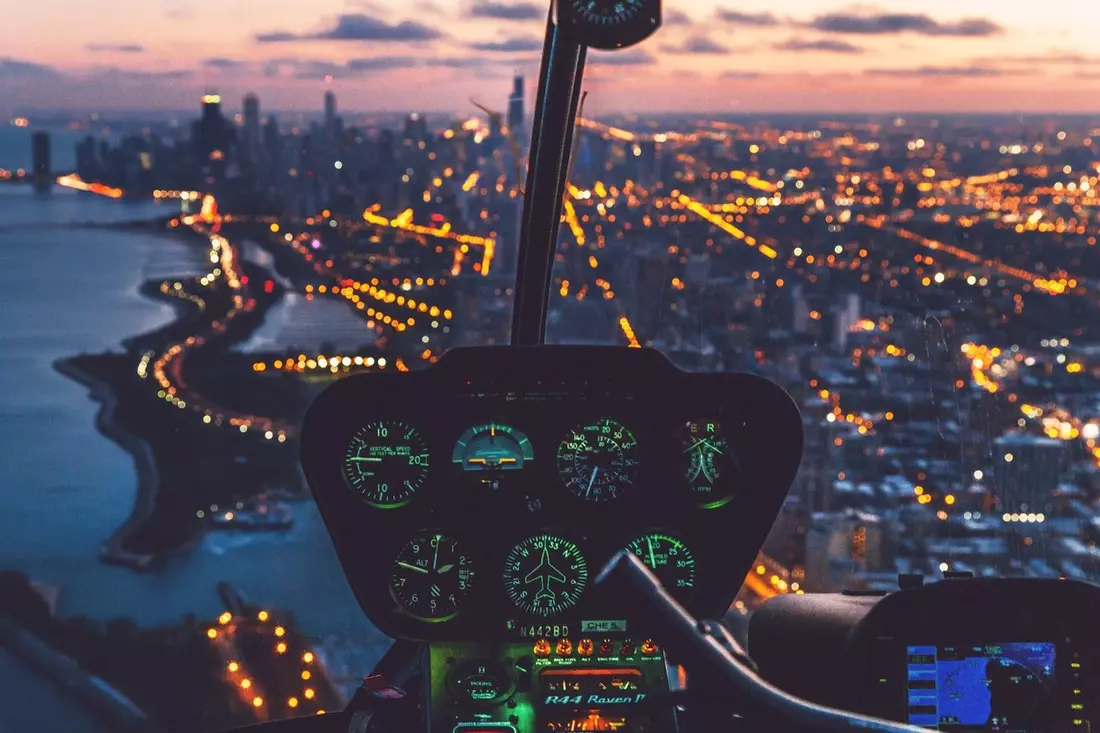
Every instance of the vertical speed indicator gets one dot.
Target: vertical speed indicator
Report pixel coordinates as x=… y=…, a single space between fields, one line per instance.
x=386 y=463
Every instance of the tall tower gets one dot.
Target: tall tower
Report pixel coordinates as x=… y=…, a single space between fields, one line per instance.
x=330 y=114
x=40 y=155
x=252 y=142
x=515 y=112
x=212 y=133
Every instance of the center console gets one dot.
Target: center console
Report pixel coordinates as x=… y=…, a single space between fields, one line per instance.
x=583 y=683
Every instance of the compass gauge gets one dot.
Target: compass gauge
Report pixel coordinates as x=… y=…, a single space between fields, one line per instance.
x=545 y=575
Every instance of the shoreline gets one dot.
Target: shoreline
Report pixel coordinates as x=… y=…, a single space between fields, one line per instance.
x=112 y=550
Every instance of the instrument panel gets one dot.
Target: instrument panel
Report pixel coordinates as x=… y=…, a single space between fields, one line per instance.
x=962 y=654
x=477 y=498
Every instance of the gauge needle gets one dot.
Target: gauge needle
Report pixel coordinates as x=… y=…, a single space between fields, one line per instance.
x=445 y=568
x=435 y=557
x=591 y=480
x=371 y=459
x=652 y=559
x=417 y=568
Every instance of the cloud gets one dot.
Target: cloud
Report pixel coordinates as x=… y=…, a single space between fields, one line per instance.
x=943 y=71
x=621 y=58
x=758 y=20
x=675 y=17
x=223 y=63
x=358 y=27
x=380 y=63
x=829 y=45
x=309 y=69
x=741 y=74
x=507 y=11
x=116 y=47
x=15 y=69
x=514 y=45
x=697 y=45
x=1055 y=58
x=890 y=23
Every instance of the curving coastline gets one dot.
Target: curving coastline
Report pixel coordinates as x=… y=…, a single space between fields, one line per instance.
x=113 y=549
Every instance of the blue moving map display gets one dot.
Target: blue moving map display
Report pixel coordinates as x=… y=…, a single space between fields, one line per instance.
x=1003 y=687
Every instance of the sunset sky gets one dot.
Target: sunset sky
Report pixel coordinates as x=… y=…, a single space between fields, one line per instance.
x=434 y=55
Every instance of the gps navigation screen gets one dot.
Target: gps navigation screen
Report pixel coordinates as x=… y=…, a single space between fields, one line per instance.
x=988 y=687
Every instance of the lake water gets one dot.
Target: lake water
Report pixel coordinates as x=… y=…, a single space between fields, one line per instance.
x=64 y=487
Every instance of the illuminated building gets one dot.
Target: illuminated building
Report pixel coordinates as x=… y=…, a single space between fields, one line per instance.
x=1026 y=472
x=40 y=149
x=212 y=134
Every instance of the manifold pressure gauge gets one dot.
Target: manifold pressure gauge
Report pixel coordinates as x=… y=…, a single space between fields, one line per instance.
x=609 y=24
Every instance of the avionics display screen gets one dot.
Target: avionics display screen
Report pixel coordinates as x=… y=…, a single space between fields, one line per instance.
x=1004 y=687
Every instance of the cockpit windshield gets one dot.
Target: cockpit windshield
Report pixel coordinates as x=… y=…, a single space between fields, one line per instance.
x=211 y=211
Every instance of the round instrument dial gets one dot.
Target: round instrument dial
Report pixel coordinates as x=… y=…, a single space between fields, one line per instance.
x=545 y=575
x=598 y=461
x=492 y=447
x=606 y=13
x=385 y=463
x=431 y=577
x=670 y=560
x=708 y=463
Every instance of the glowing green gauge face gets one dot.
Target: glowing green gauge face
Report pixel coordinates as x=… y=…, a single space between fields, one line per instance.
x=545 y=575
x=386 y=463
x=492 y=447
x=431 y=577
x=707 y=461
x=598 y=461
x=605 y=13
x=670 y=560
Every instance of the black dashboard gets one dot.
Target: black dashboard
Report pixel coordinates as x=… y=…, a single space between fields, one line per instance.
x=476 y=499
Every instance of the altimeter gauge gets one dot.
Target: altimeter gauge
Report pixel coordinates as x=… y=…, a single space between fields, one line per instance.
x=432 y=576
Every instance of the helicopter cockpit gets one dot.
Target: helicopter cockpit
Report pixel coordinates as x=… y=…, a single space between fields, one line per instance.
x=542 y=526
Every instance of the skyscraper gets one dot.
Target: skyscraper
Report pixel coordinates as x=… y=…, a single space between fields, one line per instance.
x=515 y=112
x=40 y=153
x=252 y=142
x=330 y=115
x=212 y=134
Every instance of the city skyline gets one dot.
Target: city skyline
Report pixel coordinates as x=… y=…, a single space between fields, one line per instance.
x=966 y=56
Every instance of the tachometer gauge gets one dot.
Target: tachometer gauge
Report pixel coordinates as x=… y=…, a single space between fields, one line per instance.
x=545 y=575
x=492 y=447
x=431 y=577
x=598 y=461
x=708 y=463
x=670 y=560
x=386 y=463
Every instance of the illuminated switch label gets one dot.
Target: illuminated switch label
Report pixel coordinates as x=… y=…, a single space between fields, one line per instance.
x=590 y=627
